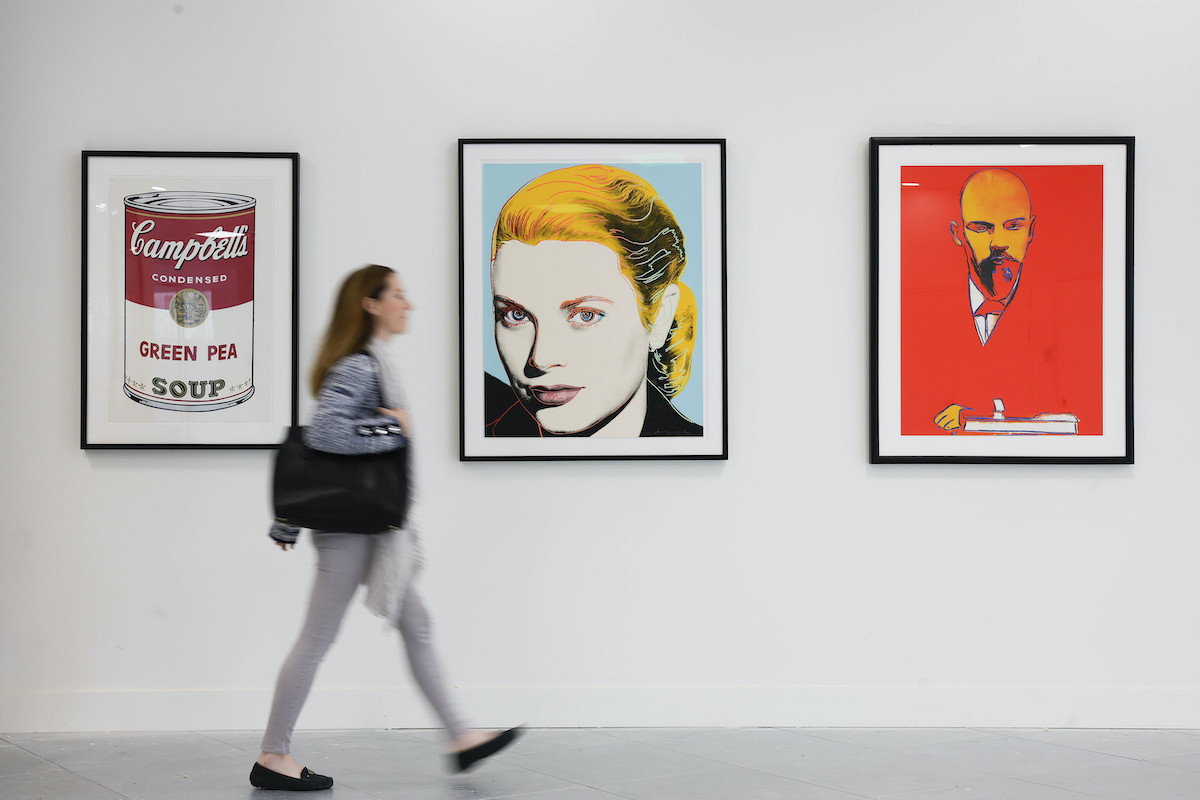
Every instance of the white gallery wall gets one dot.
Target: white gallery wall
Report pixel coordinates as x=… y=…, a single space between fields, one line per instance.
x=794 y=584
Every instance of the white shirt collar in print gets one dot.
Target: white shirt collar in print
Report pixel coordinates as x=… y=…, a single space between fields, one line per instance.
x=985 y=324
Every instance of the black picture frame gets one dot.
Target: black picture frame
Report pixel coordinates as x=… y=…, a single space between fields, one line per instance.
x=189 y=299
x=688 y=178
x=1062 y=346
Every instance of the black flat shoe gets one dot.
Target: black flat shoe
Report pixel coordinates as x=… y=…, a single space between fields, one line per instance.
x=463 y=760
x=308 y=781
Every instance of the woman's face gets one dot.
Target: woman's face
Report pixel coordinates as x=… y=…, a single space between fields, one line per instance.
x=568 y=331
x=391 y=309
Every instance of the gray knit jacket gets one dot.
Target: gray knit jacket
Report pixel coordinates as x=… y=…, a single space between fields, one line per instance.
x=346 y=421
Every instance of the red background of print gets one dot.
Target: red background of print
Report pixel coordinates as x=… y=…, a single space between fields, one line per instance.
x=1045 y=355
x=140 y=286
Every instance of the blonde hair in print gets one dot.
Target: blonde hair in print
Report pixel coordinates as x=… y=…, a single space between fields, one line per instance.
x=615 y=208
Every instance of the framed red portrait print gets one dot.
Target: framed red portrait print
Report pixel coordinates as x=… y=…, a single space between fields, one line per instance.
x=1002 y=299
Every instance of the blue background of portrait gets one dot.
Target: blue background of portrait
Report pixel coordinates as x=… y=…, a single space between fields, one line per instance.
x=680 y=187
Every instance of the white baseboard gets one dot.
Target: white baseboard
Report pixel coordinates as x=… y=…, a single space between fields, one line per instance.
x=618 y=706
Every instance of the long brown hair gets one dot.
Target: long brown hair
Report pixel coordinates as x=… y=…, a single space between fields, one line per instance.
x=351 y=326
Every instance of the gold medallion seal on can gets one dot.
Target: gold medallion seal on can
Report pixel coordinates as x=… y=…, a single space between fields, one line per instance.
x=189 y=308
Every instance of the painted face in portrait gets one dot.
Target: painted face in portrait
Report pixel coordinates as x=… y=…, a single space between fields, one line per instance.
x=592 y=324
x=569 y=332
x=995 y=231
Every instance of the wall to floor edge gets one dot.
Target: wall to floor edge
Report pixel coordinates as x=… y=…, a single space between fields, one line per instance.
x=608 y=706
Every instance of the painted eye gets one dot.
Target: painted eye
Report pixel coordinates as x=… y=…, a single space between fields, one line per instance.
x=584 y=317
x=512 y=317
x=979 y=227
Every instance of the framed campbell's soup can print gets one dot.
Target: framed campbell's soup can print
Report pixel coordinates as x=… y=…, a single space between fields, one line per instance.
x=592 y=278
x=189 y=295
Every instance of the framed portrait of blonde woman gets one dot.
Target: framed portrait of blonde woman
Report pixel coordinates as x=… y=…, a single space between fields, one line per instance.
x=592 y=299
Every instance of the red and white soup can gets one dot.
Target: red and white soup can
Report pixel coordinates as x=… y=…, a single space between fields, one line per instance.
x=189 y=299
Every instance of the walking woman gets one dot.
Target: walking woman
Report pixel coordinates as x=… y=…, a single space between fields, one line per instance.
x=361 y=409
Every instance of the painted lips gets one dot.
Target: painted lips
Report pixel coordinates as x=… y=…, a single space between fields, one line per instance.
x=555 y=395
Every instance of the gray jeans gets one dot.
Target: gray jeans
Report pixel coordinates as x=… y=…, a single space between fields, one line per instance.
x=343 y=562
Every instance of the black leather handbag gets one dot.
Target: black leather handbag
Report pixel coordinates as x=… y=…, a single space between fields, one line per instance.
x=345 y=493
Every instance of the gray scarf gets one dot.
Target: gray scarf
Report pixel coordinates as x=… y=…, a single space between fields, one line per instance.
x=391 y=382
x=398 y=555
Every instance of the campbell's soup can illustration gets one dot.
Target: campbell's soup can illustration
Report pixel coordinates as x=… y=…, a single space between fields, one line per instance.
x=189 y=299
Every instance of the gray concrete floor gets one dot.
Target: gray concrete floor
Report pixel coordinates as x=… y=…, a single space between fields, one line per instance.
x=634 y=763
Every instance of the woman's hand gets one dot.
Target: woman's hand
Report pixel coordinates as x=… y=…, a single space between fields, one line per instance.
x=398 y=414
x=285 y=546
